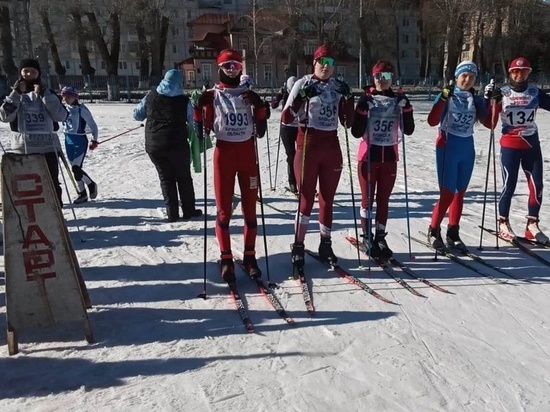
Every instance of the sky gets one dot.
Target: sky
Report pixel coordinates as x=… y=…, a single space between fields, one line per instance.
x=160 y=348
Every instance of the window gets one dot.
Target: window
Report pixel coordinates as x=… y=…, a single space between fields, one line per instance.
x=137 y=65
x=175 y=31
x=268 y=74
x=340 y=72
x=103 y=65
x=403 y=54
x=266 y=47
x=406 y=22
x=309 y=47
x=191 y=75
x=206 y=69
x=405 y=38
x=122 y=65
x=189 y=14
x=174 y=48
x=243 y=43
x=67 y=64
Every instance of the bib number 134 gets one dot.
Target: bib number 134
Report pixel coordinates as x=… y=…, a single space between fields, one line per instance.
x=521 y=117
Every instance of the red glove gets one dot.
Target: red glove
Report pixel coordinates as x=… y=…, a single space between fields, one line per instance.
x=93 y=145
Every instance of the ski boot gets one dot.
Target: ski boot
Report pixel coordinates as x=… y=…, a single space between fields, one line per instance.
x=532 y=231
x=92 y=187
x=251 y=265
x=434 y=237
x=453 y=238
x=505 y=230
x=227 y=268
x=371 y=246
x=384 y=251
x=325 y=251
x=297 y=255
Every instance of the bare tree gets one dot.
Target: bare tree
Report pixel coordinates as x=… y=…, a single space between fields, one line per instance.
x=6 y=42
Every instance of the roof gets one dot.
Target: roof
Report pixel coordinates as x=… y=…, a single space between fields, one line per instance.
x=213 y=19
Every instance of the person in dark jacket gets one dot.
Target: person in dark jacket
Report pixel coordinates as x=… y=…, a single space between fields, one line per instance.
x=382 y=117
x=168 y=114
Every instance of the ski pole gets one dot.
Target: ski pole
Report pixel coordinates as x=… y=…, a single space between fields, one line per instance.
x=268 y=159
x=69 y=170
x=71 y=206
x=205 y=197
x=352 y=191
x=411 y=257
x=120 y=134
x=277 y=161
x=493 y=115
x=370 y=202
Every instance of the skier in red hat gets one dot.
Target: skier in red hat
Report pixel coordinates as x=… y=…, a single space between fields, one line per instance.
x=236 y=115
x=318 y=101
x=517 y=104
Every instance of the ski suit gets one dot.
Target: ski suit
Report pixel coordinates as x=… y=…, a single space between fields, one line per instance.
x=520 y=145
x=318 y=156
x=235 y=124
x=380 y=128
x=455 y=153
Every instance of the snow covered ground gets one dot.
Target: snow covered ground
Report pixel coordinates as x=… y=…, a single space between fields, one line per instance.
x=159 y=348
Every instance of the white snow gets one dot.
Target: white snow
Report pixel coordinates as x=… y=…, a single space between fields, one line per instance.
x=160 y=348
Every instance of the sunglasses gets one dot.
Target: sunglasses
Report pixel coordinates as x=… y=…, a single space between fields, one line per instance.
x=232 y=65
x=383 y=76
x=329 y=61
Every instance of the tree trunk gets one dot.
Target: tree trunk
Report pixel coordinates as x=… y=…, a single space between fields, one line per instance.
x=85 y=65
x=143 y=56
x=59 y=68
x=6 y=42
x=110 y=58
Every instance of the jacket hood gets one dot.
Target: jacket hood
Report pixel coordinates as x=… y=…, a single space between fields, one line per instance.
x=169 y=89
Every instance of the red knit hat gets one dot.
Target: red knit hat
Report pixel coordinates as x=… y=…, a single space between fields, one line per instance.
x=520 y=63
x=382 y=66
x=322 y=51
x=228 y=55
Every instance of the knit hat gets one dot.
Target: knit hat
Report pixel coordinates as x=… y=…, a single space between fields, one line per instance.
x=520 y=63
x=69 y=91
x=30 y=63
x=466 y=66
x=322 y=51
x=228 y=55
x=173 y=76
x=382 y=66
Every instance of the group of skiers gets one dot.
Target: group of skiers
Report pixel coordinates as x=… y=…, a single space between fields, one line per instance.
x=312 y=109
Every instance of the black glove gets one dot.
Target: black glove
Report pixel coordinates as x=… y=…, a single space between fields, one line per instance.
x=252 y=98
x=267 y=110
x=309 y=90
x=402 y=100
x=365 y=102
x=206 y=98
x=492 y=92
x=342 y=88
x=447 y=92
x=20 y=86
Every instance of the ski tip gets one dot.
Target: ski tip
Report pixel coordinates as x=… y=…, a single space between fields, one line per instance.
x=202 y=295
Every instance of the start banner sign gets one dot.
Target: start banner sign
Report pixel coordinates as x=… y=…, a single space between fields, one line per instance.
x=44 y=285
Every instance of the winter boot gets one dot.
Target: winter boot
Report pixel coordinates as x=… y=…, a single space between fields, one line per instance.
x=194 y=213
x=227 y=267
x=82 y=197
x=92 y=187
x=434 y=237
x=532 y=231
x=251 y=266
x=297 y=255
x=453 y=239
x=380 y=242
x=505 y=230
x=325 y=251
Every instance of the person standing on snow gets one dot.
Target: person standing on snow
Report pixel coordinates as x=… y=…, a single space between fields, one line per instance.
x=318 y=101
x=520 y=145
x=33 y=112
x=288 y=133
x=381 y=117
x=456 y=110
x=169 y=112
x=237 y=116
x=76 y=142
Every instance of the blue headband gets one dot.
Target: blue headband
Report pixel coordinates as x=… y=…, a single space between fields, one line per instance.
x=466 y=66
